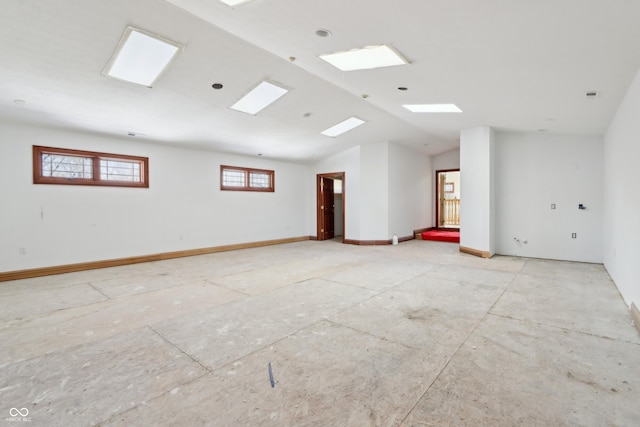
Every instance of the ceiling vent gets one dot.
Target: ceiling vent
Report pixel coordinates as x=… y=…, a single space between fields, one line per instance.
x=592 y=94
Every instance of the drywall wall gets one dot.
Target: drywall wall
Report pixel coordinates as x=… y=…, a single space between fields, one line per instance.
x=535 y=171
x=622 y=196
x=374 y=187
x=410 y=191
x=387 y=190
x=348 y=162
x=48 y=225
x=446 y=161
x=476 y=189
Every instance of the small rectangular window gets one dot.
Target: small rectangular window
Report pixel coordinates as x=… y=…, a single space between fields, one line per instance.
x=246 y=179
x=76 y=167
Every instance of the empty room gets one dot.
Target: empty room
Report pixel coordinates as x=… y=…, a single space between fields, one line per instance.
x=319 y=213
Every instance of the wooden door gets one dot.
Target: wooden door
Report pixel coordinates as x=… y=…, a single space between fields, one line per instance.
x=326 y=209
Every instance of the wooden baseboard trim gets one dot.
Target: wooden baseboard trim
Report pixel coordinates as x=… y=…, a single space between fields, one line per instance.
x=418 y=233
x=475 y=252
x=92 y=265
x=367 y=242
x=635 y=315
x=376 y=242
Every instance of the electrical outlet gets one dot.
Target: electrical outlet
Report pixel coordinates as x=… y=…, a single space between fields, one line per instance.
x=553 y=205
x=574 y=235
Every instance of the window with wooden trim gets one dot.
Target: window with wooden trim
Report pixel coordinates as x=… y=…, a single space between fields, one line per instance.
x=236 y=178
x=75 y=167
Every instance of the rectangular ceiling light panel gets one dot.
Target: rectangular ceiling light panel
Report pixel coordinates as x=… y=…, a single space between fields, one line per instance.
x=141 y=57
x=433 y=108
x=262 y=96
x=343 y=127
x=365 y=58
x=234 y=2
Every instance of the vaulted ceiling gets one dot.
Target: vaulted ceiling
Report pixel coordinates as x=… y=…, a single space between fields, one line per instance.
x=514 y=65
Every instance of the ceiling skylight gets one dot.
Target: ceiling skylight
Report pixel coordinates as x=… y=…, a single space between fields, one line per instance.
x=343 y=127
x=259 y=98
x=365 y=58
x=433 y=108
x=234 y=2
x=140 y=57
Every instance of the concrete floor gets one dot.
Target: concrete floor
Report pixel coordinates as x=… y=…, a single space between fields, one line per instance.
x=412 y=335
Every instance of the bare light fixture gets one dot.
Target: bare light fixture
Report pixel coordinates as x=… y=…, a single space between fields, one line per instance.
x=343 y=127
x=365 y=58
x=265 y=94
x=141 y=57
x=432 y=108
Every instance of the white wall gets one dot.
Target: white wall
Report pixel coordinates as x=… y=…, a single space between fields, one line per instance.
x=446 y=161
x=348 y=162
x=183 y=208
x=536 y=170
x=476 y=189
x=374 y=187
x=387 y=190
x=622 y=196
x=410 y=191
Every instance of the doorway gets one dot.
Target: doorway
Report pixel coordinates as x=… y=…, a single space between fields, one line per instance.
x=330 y=206
x=448 y=199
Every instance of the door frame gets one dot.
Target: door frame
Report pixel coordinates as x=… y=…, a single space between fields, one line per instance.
x=319 y=215
x=437 y=194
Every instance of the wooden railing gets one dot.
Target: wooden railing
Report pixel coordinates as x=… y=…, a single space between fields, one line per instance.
x=451 y=211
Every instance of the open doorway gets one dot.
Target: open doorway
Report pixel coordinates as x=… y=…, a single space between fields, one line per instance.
x=330 y=206
x=448 y=199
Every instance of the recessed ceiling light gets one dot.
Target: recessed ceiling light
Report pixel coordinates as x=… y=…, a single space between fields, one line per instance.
x=343 y=127
x=234 y=2
x=321 y=32
x=259 y=98
x=140 y=57
x=592 y=94
x=365 y=58
x=402 y=88
x=432 y=108
x=20 y=101
x=217 y=86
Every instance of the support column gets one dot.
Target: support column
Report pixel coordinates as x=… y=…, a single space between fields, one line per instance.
x=477 y=213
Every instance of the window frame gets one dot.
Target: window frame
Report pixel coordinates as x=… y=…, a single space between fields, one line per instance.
x=247 y=186
x=96 y=180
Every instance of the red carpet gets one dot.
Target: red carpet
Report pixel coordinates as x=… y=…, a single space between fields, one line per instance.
x=442 y=236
